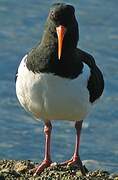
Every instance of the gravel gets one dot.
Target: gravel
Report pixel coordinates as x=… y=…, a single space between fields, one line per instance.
x=22 y=170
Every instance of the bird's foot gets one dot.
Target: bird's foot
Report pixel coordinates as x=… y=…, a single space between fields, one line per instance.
x=41 y=167
x=75 y=161
x=67 y=162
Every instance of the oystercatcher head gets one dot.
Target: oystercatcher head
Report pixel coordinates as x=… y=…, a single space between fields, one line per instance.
x=58 y=43
x=58 y=81
x=63 y=24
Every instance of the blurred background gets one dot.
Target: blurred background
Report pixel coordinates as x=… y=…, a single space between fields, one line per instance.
x=21 y=137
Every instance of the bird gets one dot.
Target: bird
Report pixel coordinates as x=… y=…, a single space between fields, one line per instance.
x=56 y=80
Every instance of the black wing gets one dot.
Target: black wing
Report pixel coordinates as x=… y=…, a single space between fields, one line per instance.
x=96 y=81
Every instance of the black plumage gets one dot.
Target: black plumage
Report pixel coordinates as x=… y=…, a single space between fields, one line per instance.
x=44 y=57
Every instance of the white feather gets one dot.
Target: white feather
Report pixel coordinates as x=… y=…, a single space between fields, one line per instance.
x=50 y=97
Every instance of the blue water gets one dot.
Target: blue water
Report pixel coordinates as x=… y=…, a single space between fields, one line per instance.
x=21 y=26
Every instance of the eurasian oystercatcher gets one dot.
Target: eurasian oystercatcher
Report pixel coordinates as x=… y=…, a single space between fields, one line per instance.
x=58 y=81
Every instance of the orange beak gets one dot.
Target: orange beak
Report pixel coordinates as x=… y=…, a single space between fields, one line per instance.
x=61 y=30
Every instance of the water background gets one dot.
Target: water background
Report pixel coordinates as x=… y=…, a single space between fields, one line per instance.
x=21 y=26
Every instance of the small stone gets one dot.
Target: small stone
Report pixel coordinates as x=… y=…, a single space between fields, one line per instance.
x=19 y=167
x=113 y=175
x=4 y=171
x=54 y=164
x=78 y=174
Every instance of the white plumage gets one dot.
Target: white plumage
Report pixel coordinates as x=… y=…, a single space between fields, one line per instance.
x=48 y=96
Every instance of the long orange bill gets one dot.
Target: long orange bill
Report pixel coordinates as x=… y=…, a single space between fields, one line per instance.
x=61 y=30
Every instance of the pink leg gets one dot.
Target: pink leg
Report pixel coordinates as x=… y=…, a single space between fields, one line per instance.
x=47 y=159
x=75 y=160
x=78 y=126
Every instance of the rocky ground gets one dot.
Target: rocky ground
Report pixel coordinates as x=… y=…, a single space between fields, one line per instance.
x=22 y=170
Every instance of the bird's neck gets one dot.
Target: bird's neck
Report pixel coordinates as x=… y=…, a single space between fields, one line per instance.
x=44 y=58
x=50 y=40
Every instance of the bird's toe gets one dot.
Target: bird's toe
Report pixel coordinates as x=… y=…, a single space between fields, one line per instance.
x=40 y=168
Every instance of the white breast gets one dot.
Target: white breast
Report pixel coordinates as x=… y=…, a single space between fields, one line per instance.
x=52 y=97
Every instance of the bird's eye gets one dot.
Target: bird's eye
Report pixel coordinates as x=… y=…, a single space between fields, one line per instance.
x=54 y=15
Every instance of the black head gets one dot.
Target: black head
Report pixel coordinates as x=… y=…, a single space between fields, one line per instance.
x=57 y=51
x=62 y=24
x=62 y=14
